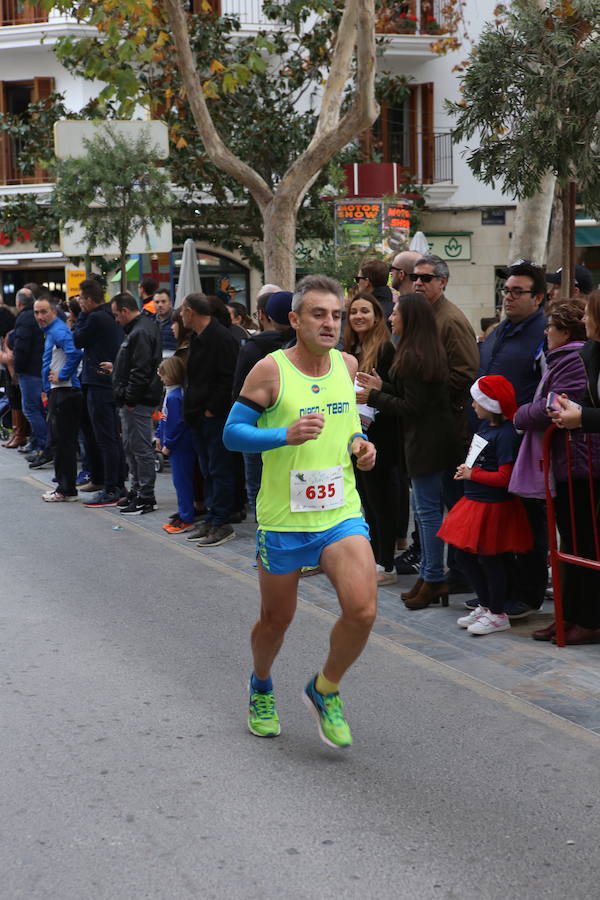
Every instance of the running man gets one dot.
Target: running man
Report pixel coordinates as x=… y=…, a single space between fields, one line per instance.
x=308 y=509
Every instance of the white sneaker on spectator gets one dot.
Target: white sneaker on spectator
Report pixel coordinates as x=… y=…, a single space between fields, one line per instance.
x=489 y=623
x=465 y=621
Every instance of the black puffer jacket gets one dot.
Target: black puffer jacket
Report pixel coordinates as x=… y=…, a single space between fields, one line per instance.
x=27 y=343
x=135 y=380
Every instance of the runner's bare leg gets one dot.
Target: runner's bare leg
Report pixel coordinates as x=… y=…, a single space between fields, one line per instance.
x=279 y=597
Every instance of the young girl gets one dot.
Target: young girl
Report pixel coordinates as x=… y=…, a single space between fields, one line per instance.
x=487 y=523
x=176 y=443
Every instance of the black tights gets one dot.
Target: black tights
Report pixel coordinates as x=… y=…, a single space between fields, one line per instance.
x=489 y=577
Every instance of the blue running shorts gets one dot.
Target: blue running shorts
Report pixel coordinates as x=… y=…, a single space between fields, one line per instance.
x=285 y=551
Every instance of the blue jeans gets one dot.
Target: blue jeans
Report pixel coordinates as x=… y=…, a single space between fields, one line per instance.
x=427 y=504
x=216 y=464
x=33 y=410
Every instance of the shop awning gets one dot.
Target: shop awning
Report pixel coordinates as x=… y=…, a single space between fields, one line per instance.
x=587 y=235
x=132 y=270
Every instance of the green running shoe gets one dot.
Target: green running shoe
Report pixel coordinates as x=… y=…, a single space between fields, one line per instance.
x=263 y=720
x=328 y=710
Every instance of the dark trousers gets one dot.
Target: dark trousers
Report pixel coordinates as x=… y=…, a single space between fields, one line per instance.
x=488 y=576
x=580 y=586
x=376 y=494
x=529 y=571
x=64 y=414
x=217 y=468
x=108 y=453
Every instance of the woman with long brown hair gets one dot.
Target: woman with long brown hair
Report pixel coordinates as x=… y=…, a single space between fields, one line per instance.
x=417 y=393
x=367 y=337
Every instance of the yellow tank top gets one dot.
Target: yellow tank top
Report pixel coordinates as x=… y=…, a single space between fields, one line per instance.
x=310 y=487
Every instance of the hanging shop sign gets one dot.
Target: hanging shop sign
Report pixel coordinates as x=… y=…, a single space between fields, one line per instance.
x=382 y=225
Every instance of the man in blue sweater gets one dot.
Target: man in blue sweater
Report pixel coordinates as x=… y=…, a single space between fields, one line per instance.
x=60 y=383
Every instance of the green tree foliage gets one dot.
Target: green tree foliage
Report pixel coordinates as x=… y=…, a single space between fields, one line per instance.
x=531 y=98
x=114 y=191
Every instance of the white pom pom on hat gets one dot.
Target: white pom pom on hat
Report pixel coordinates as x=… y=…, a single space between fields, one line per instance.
x=496 y=394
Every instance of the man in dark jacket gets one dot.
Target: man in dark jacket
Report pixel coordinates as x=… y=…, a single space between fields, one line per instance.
x=99 y=336
x=515 y=349
x=206 y=404
x=277 y=333
x=138 y=391
x=164 y=316
x=27 y=343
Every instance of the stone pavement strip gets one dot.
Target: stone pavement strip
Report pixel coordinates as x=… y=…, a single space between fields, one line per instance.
x=563 y=681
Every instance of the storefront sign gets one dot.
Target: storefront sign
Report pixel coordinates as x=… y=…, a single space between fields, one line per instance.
x=74 y=279
x=452 y=247
x=378 y=224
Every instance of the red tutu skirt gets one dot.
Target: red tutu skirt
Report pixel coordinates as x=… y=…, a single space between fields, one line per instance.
x=488 y=528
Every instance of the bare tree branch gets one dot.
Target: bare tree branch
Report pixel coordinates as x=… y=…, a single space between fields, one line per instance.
x=331 y=134
x=216 y=149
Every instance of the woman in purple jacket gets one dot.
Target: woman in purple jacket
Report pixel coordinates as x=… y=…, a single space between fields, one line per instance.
x=565 y=375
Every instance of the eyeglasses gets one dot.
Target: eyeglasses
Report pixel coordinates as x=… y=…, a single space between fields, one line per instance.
x=515 y=292
x=358 y=278
x=396 y=269
x=416 y=276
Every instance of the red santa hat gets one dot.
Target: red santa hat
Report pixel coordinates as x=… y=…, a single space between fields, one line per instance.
x=496 y=394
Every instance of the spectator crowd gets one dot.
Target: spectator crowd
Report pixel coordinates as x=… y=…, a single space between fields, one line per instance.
x=102 y=389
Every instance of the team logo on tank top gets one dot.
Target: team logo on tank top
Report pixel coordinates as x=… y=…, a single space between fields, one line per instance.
x=315 y=388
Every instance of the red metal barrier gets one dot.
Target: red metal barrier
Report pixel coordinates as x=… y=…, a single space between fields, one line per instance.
x=556 y=555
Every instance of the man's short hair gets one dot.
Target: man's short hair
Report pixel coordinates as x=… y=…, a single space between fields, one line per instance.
x=440 y=267
x=25 y=297
x=34 y=288
x=91 y=289
x=531 y=270
x=262 y=300
x=323 y=284
x=377 y=271
x=163 y=291
x=150 y=285
x=125 y=301
x=199 y=304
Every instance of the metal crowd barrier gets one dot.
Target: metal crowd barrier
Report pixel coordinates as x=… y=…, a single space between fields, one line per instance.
x=557 y=556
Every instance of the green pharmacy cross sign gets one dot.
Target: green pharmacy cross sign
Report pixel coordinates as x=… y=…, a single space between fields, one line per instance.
x=451 y=246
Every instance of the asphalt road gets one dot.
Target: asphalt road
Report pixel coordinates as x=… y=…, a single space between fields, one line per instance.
x=128 y=771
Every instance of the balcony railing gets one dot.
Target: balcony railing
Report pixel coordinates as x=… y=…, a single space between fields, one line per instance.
x=17 y=12
x=420 y=17
x=249 y=12
x=10 y=174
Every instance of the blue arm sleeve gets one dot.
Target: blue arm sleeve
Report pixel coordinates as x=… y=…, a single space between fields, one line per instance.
x=241 y=433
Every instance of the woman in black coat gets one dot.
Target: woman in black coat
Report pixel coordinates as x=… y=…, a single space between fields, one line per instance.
x=367 y=337
x=418 y=394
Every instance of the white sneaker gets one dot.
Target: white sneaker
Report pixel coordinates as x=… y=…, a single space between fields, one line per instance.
x=475 y=614
x=384 y=577
x=489 y=623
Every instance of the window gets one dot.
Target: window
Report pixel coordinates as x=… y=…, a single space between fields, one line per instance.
x=15 y=98
x=17 y=12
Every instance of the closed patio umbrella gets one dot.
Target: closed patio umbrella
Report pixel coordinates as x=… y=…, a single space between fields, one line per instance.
x=189 y=277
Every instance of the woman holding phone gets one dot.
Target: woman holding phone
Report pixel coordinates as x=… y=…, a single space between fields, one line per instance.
x=565 y=378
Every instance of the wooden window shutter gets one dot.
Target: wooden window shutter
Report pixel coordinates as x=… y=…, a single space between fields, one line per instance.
x=4 y=147
x=428 y=138
x=42 y=89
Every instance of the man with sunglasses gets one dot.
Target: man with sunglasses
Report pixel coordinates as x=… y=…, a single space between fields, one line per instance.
x=515 y=349
x=429 y=278
x=373 y=278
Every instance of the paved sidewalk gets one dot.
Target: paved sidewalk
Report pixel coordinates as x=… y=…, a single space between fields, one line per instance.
x=564 y=681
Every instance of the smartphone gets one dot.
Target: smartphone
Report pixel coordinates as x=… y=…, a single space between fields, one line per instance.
x=552 y=402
